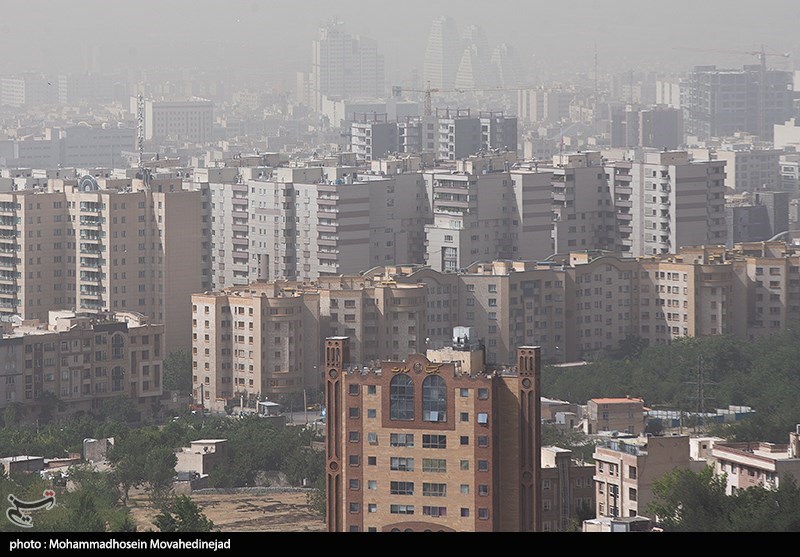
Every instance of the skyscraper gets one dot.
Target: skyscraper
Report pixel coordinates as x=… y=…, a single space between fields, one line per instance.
x=345 y=66
x=443 y=54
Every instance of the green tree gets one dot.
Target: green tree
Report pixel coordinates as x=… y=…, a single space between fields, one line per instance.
x=181 y=514
x=178 y=372
x=687 y=501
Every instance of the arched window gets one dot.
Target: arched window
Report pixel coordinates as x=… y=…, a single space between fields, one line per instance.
x=434 y=399
x=401 y=398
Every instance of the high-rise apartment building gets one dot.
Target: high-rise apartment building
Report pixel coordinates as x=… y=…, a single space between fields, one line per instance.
x=583 y=213
x=673 y=202
x=345 y=66
x=373 y=137
x=721 y=102
x=749 y=169
x=107 y=244
x=432 y=443
x=265 y=338
x=303 y=222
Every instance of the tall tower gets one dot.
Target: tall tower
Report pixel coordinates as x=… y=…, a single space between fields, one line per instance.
x=443 y=54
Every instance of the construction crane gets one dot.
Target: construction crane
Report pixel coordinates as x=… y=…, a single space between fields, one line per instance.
x=762 y=77
x=397 y=91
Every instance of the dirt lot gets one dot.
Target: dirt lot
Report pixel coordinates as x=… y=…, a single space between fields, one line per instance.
x=269 y=511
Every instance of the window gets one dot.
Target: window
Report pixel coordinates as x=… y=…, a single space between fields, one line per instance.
x=483 y=466
x=545 y=484
x=401 y=439
x=632 y=494
x=434 y=465
x=434 y=511
x=464 y=464
x=483 y=514
x=353 y=485
x=354 y=508
x=401 y=488
x=434 y=489
x=401 y=464
x=483 y=489
x=483 y=418
x=353 y=460
x=463 y=393
x=352 y=389
x=483 y=440
x=632 y=472
x=353 y=412
x=434 y=441
x=372 y=413
x=464 y=416
x=354 y=437
x=434 y=399
x=401 y=509
x=464 y=439
x=372 y=460
x=372 y=485
x=372 y=438
x=464 y=512
x=401 y=398
x=372 y=507
x=371 y=389
x=483 y=394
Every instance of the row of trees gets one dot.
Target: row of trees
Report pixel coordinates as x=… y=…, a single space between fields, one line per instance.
x=763 y=373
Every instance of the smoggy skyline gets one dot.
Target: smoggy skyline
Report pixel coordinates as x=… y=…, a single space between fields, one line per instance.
x=274 y=38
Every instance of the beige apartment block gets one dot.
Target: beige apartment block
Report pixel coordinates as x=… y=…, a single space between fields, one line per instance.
x=757 y=464
x=626 y=468
x=624 y=415
x=265 y=339
x=769 y=272
x=82 y=359
x=674 y=202
x=97 y=245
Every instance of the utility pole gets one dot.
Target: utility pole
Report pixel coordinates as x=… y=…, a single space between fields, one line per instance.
x=699 y=393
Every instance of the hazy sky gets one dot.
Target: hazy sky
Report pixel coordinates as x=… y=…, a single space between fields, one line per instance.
x=275 y=36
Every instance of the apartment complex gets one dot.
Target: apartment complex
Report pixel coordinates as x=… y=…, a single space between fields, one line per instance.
x=757 y=464
x=265 y=338
x=82 y=359
x=102 y=244
x=424 y=444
